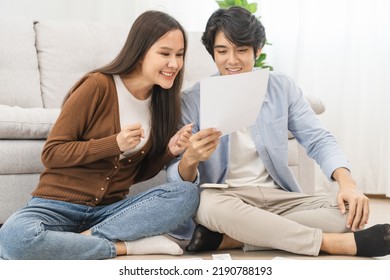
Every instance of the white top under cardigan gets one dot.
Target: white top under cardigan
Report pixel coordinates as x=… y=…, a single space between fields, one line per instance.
x=133 y=110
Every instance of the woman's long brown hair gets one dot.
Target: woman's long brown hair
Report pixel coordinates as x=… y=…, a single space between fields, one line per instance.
x=148 y=28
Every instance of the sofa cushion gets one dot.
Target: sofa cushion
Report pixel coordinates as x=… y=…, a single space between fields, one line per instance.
x=19 y=75
x=69 y=49
x=26 y=123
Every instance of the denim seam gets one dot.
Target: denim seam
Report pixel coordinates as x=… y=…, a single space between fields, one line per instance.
x=112 y=247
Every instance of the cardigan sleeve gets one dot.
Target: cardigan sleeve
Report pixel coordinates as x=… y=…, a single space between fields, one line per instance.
x=85 y=130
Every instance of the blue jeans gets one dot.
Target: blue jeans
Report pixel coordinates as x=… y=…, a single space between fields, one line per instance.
x=49 y=229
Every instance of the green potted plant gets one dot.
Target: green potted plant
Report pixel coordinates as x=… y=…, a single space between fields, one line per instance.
x=251 y=7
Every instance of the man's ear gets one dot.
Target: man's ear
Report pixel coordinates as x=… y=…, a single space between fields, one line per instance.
x=258 y=52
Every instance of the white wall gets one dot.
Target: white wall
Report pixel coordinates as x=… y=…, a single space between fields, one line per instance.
x=339 y=50
x=193 y=14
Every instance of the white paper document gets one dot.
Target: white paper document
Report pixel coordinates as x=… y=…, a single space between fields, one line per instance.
x=232 y=102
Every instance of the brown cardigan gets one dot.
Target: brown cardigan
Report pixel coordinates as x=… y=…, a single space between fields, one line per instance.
x=81 y=154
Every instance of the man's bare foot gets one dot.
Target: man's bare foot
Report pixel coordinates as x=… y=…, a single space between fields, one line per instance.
x=338 y=244
x=229 y=243
x=86 y=232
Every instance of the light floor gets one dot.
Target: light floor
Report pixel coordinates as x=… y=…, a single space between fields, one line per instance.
x=380 y=213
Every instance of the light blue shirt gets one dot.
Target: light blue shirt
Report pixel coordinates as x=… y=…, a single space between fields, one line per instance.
x=284 y=109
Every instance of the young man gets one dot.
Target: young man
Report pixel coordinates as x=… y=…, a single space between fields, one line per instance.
x=263 y=205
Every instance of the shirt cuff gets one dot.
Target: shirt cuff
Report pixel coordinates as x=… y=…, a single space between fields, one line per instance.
x=173 y=174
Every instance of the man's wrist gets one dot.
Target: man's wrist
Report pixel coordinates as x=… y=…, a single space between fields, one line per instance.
x=188 y=168
x=344 y=178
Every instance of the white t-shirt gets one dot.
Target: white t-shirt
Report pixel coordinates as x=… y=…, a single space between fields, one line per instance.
x=133 y=110
x=245 y=165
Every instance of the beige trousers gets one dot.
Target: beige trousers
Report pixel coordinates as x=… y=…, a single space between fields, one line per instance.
x=271 y=218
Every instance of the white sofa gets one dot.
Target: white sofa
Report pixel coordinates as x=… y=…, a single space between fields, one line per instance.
x=39 y=62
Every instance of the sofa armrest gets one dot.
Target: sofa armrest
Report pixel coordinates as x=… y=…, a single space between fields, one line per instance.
x=301 y=165
x=316 y=104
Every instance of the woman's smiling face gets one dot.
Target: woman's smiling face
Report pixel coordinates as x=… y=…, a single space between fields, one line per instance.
x=164 y=59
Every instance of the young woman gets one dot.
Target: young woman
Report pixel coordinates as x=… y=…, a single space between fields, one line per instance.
x=118 y=126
